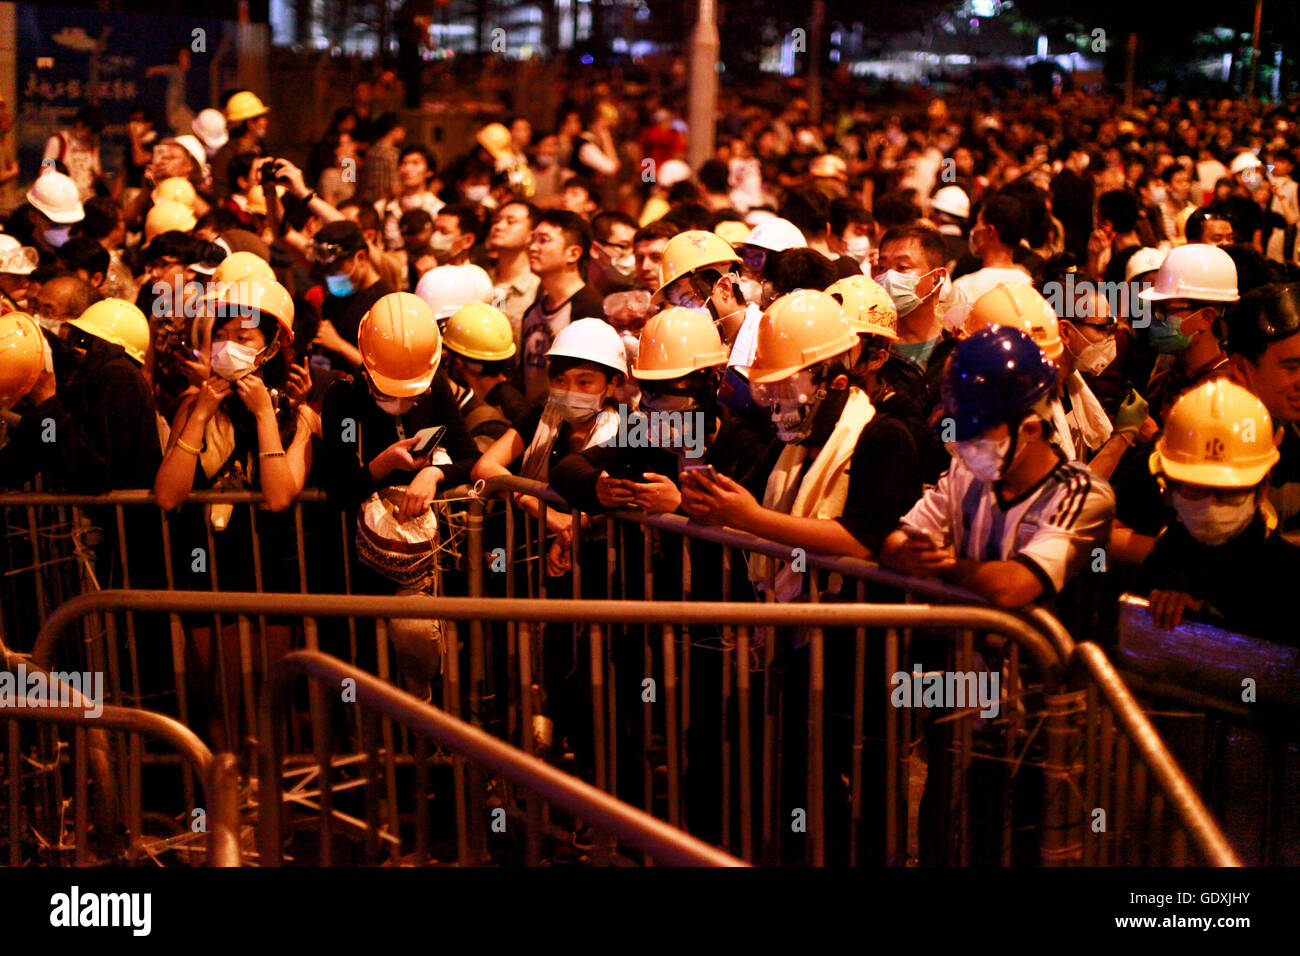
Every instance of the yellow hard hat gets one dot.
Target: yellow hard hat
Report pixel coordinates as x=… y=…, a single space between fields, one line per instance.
x=732 y=230
x=242 y=265
x=166 y=216
x=677 y=342
x=243 y=296
x=1020 y=306
x=797 y=331
x=400 y=345
x=1217 y=434
x=119 y=322
x=688 y=251
x=22 y=350
x=176 y=189
x=244 y=106
x=496 y=139
x=867 y=306
x=256 y=199
x=480 y=332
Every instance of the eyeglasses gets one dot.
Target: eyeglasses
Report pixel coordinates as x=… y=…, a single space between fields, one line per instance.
x=690 y=292
x=1225 y=496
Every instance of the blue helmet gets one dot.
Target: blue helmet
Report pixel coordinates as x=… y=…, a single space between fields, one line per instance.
x=995 y=376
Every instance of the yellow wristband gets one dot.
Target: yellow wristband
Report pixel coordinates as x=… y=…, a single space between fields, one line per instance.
x=183 y=445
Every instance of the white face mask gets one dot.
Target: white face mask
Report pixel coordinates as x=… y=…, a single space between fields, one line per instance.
x=395 y=406
x=577 y=407
x=1158 y=194
x=1210 y=521
x=858 y=248
x=476 y=194
x=752 y=290
x=624 y=265
x=983 y=457
x=1096 y=356
x=233 y=360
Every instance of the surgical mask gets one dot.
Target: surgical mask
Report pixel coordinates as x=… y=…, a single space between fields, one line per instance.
x=1166 y=335
x=56 y=237
x=624 y=265
x=1212 y=522
x=577 y=407
x=901 y=287
x=983 y=457
x=50 y=325
x=1096 y=357
x=752 y=289
x=339 y=285
x=440 y=244
x=669 y=403
x=1158 y=194
x=858 y=248
x=233 y=360
x=476 y=194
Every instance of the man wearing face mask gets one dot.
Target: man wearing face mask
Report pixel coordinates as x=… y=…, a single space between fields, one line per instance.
x=352 y=286
x=1221 y=556
x=54 y=207
x=613 y=262
x=913 y=274
x=828 y=492
x=454 y=234
x=1193 y=287
x=1011 y=519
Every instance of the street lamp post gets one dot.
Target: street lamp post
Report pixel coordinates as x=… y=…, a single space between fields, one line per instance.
x=703 y=107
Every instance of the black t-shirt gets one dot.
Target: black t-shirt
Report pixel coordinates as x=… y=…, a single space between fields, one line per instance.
x=1246 y=580
x=346 y=312
x=1114 y=271
x=884 y=480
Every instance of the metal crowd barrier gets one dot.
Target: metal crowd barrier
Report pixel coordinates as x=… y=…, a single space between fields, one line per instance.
x=214 y=835
x=1227 y=704
x=744 y=653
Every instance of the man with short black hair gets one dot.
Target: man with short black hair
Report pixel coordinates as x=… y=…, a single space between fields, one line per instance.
x=613 y=261
x=999 y=227
x=557 y=253
x=513 y=282
x=648 y=248
x=415 y=171
x=580 y=197
x=455 y=231
x=1115 y=239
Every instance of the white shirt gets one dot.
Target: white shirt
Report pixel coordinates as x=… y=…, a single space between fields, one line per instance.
x=973 y=285
x=1052 y=529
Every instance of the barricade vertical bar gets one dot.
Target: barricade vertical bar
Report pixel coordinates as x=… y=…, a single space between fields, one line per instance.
x=596 y=644
x=264 y=649
x=218 y=649
x=370 y=746
x=1061 y=841
x=647 y=656
x=80 y=760
x=318 y=707
x=133 y=656
x=745 y=743
x=390 y=765
x=672 y=737
x=478 y=676
x=347 y=585
x=725 y=696
x=771 y=718
x=1009 y=705
x=965 y=664
x=1119 y=850
x=1140 y=834
x=1106 y=788
x=894 y=855
x=612 y=633
x=451 y=701
x=34 y=540
x=1156 y=842
x=859 y=720
x=1092 y=771
x=134 y=794
x=816 y=731
x=685 y=726
x=421 y=800
x=223 y=817
x=179 y=666
x=533 y=805
x=13 y=764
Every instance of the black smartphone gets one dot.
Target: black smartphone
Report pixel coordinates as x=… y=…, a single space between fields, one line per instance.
x=270 y=171
x=624 y=470
x=427 y=440
x=702 y=471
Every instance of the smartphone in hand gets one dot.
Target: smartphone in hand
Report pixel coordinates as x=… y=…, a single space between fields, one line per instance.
x=427 y=440
x=703 y=472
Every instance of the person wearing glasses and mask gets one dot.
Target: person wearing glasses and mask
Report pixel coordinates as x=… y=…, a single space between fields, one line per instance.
x=1221 y=557
x=352 y=287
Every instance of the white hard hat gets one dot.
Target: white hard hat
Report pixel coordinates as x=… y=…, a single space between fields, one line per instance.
x=777 y=235
x=1145 y=259
x=1243 y=161
x=195 y=148
x=446 y=288
x=952 y=200
x=55 y=196
x=592 y=340
x=210 y=127
x=15 y=258
x=1198 y=271
x=672 y=172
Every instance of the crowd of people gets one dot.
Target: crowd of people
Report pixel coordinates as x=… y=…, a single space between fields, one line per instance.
x=1004 y=344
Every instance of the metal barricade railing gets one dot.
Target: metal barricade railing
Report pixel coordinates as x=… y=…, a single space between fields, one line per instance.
x=527 y=613
x=1227 y=703
x=117 y=805
x=507 y=681
x=652 y=837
